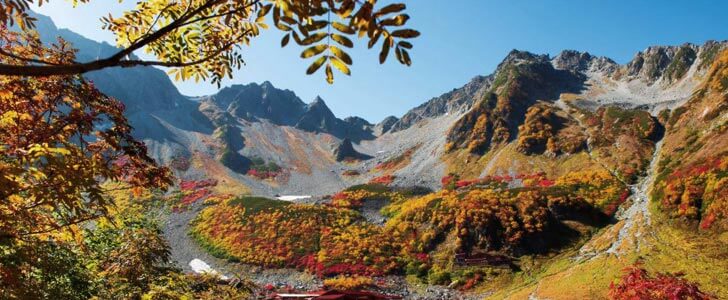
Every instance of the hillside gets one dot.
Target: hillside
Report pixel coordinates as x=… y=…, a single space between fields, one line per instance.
x=543 y=179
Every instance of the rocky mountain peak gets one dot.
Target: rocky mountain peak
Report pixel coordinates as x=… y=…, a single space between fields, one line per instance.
x=583 y=62
x=573 y=60
x=517 y=57
x=671 y=63
x=385 y=125
x=260 y=101
x=456 y=100
x=319 y=118
x=345 y=151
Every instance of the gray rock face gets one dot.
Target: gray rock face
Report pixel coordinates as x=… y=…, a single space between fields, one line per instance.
x=264 y=101
x=583 y=61
x=319 y=118
x=385 y=125
x=253 y=102
x=345 y=151
x=671 y=63
x=460 y=99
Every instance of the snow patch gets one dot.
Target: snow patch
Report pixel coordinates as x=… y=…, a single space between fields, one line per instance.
x=293 y=198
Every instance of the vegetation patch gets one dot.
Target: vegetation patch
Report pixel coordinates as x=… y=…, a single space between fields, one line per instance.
x=397 y=162
x=261 y=169
x=698 y=191
x=637 y=283
x=384 y=179
x=351 y=173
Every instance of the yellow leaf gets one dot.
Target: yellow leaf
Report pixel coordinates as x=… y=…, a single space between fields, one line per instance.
x=340 y=65
x=316 y=65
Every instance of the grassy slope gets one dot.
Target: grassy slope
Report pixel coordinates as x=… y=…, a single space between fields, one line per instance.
x=701 y=256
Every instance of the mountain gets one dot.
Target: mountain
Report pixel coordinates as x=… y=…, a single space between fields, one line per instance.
x=254 y=102
x=452 y=102
x=568 y=168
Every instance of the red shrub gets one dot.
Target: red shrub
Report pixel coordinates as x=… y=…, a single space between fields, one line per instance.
x=196 y=184
x=546 y=183
x=707 y=221
x=263 y=174
x=386 y=179
x=612 y=207
x=422 y=257
x=446 y=180
x=637 y=284
x=471 y=282
x=194 y=197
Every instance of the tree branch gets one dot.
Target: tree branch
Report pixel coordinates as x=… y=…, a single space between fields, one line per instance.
x=112 y=61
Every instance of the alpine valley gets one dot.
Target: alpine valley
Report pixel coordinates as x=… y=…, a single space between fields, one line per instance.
x=545 y=179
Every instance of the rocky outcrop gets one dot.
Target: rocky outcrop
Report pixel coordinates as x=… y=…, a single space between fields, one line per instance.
x=345 y=152
x=670 y=63
x=583 y=62
x=319 y=118
x=264 y=101
x=385 y=125
x=457 y=100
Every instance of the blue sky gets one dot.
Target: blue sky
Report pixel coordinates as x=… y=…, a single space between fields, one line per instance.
x=460 y=39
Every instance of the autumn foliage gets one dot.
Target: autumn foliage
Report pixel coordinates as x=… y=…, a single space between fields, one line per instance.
x=697 y=191
x=54 y=151
x=637 y=284
x=384 y=179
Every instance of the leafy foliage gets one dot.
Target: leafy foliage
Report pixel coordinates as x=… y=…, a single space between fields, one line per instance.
x=261 y=169
x=698 y=192
x=60 y=138
x=332 y=240
x=397 y=162
x=637 y=284
x=205 y=39
x=384 y=179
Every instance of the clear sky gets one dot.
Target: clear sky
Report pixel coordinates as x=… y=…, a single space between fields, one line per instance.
x=460 y=39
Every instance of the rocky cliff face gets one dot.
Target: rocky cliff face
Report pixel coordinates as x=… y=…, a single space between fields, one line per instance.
x=345 y=152
x=255 y=102
x=457 y=100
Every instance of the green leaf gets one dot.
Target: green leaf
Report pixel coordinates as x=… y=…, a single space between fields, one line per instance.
x=314 y=50
x=314 y=38
x=316 y=65
x=344 y=41
x=340 y=54
x=343 y=28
